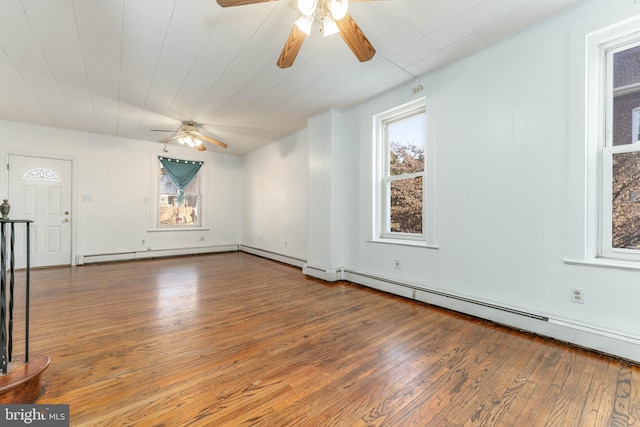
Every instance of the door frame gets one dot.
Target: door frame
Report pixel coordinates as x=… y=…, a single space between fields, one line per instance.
x=73 y=159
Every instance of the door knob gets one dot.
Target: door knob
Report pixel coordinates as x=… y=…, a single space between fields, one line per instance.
x=67 y=220
x=66 y=213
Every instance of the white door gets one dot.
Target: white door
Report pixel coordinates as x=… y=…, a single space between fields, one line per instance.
x=40 y=191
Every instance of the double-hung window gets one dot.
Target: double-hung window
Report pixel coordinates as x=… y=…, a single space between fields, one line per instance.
x=401 y=177
x=179 y=193
x=619 y=148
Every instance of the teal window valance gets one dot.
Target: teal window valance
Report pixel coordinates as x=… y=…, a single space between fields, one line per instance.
x=181 y=172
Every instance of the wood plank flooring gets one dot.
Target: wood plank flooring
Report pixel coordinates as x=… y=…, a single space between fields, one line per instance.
x=236 y=340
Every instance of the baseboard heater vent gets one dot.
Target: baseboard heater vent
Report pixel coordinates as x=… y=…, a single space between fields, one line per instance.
x=154 y=253
x=321 y=270
x=275 y=256
x=448 y=295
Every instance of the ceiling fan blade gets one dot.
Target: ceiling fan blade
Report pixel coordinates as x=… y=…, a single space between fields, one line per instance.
x=171 y=138
x=208 y=139
x=229 y=3
x=355 y=39
x=291 y=47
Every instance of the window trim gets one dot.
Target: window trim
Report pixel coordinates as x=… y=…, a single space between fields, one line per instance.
x=154 y=199
x=600 y=47
x=381 y=179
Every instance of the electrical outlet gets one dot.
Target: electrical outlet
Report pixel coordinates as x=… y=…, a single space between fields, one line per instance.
x=396 y=264
x=202 y=238
x=142 y=242
x=577 y=295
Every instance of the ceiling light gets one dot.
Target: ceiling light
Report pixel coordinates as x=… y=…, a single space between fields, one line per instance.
x=307 y=7
x=187 y=140
x=329 y=26
x=304 y=23
x=338 y=8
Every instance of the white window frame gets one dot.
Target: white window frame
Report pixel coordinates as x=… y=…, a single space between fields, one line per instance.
x=606 y=248
x=154 y=211
x=600 y=49
x=382 y=179
x=635 y=131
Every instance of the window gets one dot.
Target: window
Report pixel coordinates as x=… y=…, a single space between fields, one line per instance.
x=179 y=193
x=619 y=150
x=41 y=174
x=401 y=138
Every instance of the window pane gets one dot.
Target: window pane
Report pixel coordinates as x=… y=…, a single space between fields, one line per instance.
x=406 y=205
x=626 y=96
x=170 y=212
x=193 y=186
x=406 y=145
x=41 y=174
x=166 y=184
x=173 y=214
x=625 y=195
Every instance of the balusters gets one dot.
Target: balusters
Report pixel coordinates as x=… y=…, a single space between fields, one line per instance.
x=7 y=299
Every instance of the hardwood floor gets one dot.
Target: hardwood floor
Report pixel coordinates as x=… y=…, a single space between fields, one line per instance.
x=236 y=340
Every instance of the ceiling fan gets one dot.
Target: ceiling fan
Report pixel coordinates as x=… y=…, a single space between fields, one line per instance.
x=189 y=134
x=333 y=17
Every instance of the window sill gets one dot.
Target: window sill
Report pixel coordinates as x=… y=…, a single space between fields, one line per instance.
x=400 y=242
x=162 y=230
x=604 y=263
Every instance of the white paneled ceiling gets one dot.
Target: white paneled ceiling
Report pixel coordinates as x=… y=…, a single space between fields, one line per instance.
x=124 y=67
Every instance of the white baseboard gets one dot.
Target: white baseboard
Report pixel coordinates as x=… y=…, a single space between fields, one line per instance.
x=286 y=259
x=156 y=253
x=605 y=341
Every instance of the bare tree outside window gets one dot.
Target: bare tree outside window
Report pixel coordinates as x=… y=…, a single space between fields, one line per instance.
x=406 y=142
x=406 y=194
x=625 y=165
x=625 y=201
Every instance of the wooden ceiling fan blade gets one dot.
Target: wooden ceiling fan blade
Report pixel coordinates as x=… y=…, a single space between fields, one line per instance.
x=231 y=3
x=355 y=39
x=209 y=139
x=291 y=47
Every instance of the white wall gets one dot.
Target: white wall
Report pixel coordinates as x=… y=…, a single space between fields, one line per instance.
x=510 y=199
x=116 y=172
x=505 y=126
x=276 y=197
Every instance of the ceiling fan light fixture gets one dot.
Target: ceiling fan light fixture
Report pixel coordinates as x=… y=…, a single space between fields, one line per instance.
x=188 y=140
x=338 y=8
x=307 y=7
x=304 y=23
x=329 y=26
